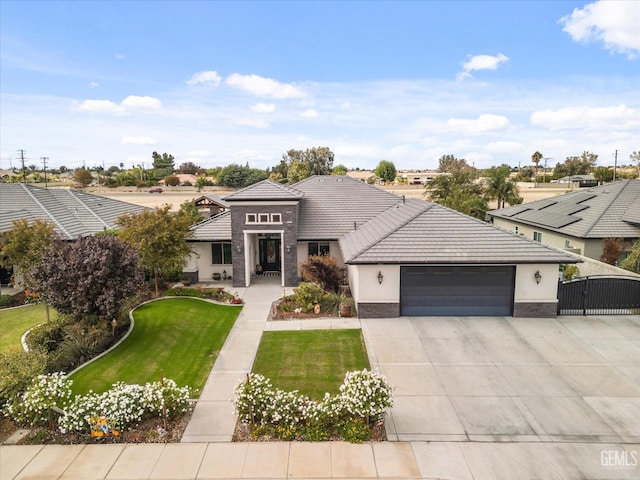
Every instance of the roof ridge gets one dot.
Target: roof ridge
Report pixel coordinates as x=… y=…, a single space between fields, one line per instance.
x=26 y=188
x=77 y=198
x=420 y=211
x=605 y=210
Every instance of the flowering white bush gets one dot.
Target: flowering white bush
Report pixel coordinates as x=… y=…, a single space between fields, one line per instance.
x=124 y=405
x=34 y=405
x=364 y=394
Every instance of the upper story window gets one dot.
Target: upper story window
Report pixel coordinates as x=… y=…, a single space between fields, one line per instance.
x=264 y=218
x=537 y=236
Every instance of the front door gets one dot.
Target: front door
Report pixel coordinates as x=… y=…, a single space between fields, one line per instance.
x=270 y=254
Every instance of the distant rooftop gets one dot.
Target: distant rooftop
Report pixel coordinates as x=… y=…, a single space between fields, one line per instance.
x=74 y=213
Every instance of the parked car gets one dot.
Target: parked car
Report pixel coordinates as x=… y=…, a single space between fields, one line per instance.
x=155 y=190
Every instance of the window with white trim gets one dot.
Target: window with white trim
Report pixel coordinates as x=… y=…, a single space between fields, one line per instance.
x=319 y=248
x=276 y=218
x=251 y=218
x=267 y=218
x=537 y=236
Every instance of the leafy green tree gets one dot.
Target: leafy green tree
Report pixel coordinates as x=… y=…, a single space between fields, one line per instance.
x=189 y=168
x=603 y=174
x=499 y=186
x=91 y=278
x=319 y=161
x=635 y=158
x=386 y=170
x=237 y=176
x=298 y=170
x=632 y=262
x=458 y=193
x=163 y=165
x=611 y=250
x=572 y=166
x=83 y=176
x=339 y=170
x=189 y=208
x=24 y=246
x=201 y=181
x=160 y=237
x=458 y=167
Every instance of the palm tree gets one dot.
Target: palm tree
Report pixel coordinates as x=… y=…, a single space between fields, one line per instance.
x=499 y=186
x=535 y=158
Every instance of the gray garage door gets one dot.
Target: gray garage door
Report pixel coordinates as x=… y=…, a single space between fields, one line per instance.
x=457 y=290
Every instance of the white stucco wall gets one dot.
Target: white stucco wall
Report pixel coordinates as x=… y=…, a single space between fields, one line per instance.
x=527 y=290
x=334 y=251
x=200 y=261
x=364 y=284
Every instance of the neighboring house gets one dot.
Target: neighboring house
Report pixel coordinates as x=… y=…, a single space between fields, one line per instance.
x=579 y=180
x=73 y=213
x=402 y=256
x=580 y=220
x=212 y=203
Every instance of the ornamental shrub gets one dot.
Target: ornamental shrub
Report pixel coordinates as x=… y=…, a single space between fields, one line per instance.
x=34 y=406
x=364 y=398
x=17 y=370
x=323 y=270
x=306 y=295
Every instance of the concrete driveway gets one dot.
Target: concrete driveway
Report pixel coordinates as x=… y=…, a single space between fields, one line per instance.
x=570 y=379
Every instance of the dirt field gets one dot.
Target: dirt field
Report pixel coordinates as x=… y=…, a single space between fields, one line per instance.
x=175 y=198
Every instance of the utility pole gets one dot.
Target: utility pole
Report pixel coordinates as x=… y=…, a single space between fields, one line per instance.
x=44 y=165
x=615 y=165
x=24 y=173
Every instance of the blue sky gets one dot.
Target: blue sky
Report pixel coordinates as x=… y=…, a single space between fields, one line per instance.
x=92 y=83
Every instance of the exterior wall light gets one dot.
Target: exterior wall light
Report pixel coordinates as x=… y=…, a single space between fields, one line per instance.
x=288 y=248
x=537 y=276
x=239 y=247
x=380 y=277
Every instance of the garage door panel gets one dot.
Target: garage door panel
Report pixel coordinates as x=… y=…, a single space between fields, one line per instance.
x=457 y=290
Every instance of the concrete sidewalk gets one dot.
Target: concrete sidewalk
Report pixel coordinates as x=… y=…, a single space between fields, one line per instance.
x=284 y=460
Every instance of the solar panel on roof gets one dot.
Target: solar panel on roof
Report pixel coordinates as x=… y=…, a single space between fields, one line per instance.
x=548 y=219
x=545 y=203
x=582 y=197
x=567 y=208
x=517 y=210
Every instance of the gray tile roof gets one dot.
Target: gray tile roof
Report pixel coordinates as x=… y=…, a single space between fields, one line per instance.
x=332 y=204
x=73 y=213
x=214 y=228
x=610 y=210
x=266 y=190
x=211 y=198
x=417 y=232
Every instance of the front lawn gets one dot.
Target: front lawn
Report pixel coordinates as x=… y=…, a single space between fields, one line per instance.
x=311 y=361
x=179 y=336
x=15 y=321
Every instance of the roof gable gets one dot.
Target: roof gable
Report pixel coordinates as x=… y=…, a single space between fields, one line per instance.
x=608 y=210
x=266 y=190
x=213 y=228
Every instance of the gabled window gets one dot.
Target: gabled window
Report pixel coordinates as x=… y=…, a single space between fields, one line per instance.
x=221 y=253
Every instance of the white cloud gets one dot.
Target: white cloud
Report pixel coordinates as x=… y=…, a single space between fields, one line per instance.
x=107 y=106
x=264 y=108
x=264 y=87
x=134 y=101
x=481 y=62
x=119 y=56
x=619 y=117
x=485 y=123
x=99 y=106
x=129 y=140
x=206 y=79
x=615 y=23
x=253 y=122
x=311 y=113
x=94 y=84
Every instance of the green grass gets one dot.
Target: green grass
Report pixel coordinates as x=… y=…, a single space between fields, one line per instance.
x=15 y=321
x=312 y=361
x=179 y=336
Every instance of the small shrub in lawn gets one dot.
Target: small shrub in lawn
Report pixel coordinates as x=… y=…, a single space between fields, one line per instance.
x=6 y=301
x=17 y=371
x=363 y=399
